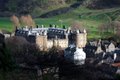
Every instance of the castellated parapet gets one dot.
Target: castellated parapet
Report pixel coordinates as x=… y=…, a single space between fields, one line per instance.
x=46 y=38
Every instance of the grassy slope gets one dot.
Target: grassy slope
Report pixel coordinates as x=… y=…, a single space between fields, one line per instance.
x=38 y=11
x=5 y=23
x=90 y=19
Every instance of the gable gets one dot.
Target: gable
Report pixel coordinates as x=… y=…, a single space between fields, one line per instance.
x=99 y=50
x=111 y=47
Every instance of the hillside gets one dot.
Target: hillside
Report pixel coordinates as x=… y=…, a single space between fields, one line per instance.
x=32 y=6
x=89 y=17
x=102 y=4
x=39 y=7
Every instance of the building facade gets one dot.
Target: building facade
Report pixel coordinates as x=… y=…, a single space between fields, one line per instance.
x=46 y=38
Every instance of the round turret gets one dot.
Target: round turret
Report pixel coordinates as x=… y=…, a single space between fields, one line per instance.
x=81 y=39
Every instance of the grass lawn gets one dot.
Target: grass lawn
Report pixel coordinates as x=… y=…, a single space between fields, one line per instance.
x=5 y=23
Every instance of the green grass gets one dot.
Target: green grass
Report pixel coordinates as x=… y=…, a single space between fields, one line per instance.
x=48 y=21
x=89 y=19
x=5 y=23
x=90 y=25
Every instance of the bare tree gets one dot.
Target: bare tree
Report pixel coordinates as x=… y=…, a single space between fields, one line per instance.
x=62 y=1
x=117 y=28
x=111 y=22
x=101 y=29
x=16 y=44
x=112 y=27
x=22 y=50
x=15 y=21
x=26 y=20
x=76 y=25
x=31 y=21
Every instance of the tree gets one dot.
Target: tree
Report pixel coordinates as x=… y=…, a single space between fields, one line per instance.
x=25 y=6
x=102 y=29
x=16 y=45
x=111 y=26
x=117 y=26
x=111 y=21
x=26 y=20
x=12 y=5
x=23 y=51
x=15 y=21
x=76 y=26
x=6 y=60
x=3 y=5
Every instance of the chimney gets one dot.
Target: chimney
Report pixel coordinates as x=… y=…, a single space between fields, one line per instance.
x=37 y=26
x=42 y=26
x=50 y=25
x=84 y=31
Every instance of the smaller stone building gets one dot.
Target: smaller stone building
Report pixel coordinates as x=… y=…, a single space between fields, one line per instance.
x=75 y=55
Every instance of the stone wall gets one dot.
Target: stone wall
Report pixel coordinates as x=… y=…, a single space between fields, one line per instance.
x=63 y=43
x=41 y=41
x=44 y=44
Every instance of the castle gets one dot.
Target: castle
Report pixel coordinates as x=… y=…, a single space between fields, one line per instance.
x=46 y=38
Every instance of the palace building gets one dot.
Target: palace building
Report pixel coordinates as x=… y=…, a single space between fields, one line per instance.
x=46 y=38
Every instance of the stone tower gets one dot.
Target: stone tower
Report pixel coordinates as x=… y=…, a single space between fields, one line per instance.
x=41 y=40
x=55 y=42
x=81 y=39
x=66 y=39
